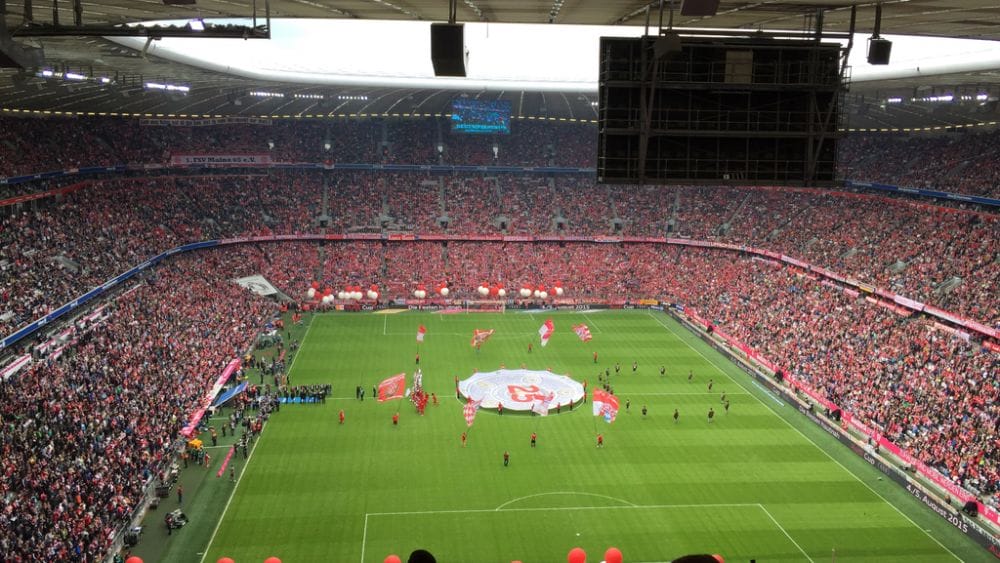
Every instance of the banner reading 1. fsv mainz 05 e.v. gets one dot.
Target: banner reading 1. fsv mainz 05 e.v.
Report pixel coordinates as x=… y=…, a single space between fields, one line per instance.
x=217 y=159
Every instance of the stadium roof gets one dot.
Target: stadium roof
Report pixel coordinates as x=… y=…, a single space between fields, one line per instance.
x=915 y=100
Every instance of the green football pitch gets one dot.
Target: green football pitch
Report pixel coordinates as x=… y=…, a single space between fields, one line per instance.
x=760 y=482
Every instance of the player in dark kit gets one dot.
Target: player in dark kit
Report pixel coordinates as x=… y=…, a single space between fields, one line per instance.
x=628 y=403
x=726 y=405
x=663 y=370
x=690 y=375
x=711 y=414
x=677 y=415
x=635 y=366
x=506 y=459
x=644 y=411
x=618 y=368
x=710 y=384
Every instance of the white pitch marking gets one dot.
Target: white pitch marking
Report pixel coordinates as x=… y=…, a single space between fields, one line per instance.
x=591 y=321
x=800 y=433
x=364 y=539
x=519 y=499
x=784 y=531
x=246 y=463
x=562 y=508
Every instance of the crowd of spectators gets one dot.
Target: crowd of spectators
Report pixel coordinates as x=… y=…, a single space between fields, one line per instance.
x=33 y=145
x=124 y=391
x=57 y=249
x=966 y=163
x=110 y=409
x=84 y=434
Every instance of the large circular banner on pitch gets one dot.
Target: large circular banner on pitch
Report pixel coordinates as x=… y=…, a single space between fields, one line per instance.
x=520 y=389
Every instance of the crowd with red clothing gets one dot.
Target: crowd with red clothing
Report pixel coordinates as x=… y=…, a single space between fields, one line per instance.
x=84 y=433
x=965 y=163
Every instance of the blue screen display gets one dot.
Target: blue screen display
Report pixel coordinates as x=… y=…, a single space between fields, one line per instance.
x=474 y=116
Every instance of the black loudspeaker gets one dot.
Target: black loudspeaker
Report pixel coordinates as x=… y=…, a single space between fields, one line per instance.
x=879 y=51
x=448 y=49
x=971 y=508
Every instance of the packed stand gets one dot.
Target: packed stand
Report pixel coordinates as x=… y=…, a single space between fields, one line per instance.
x=85 y=433
x=965 y=163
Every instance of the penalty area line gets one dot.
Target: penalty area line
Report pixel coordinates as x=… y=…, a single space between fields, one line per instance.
x=784 y=531
x=561 y=509
x=799 y=432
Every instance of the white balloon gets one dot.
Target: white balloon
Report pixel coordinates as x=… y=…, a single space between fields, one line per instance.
x=537 y=293
x=559 y=291
x=502 y=292
x=327 y=299
x=311 y=293
x=525 y=292
x=544 y=295
x=445 y=291
x=372 y=294
x=341 y=295
x=484 y=291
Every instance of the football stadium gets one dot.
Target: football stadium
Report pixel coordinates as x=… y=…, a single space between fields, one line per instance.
x=692 y=281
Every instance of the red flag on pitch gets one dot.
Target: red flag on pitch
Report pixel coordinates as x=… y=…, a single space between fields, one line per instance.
x=546 y=331
x=605 y=405
x=392 y=388
x=469 y=410
x=480 y=336
x=421 y=331
x=583 y=331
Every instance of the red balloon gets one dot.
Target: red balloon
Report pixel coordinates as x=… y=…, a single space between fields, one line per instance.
x=558 y=284
x=494 y=291
x=373 y=287
x=613 y=555
x=225 y=560
x=577 y=555
x=134 y=559
x=315 y=285
x=393 y=559
x=272 y=560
